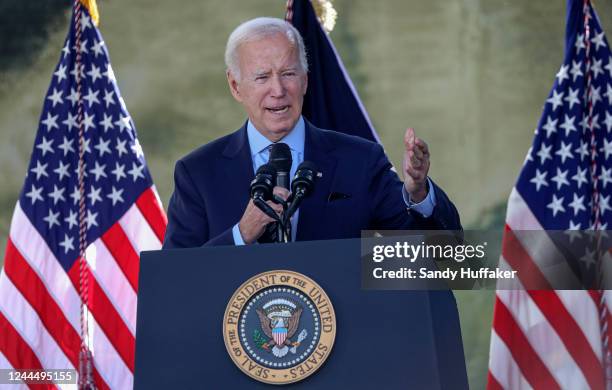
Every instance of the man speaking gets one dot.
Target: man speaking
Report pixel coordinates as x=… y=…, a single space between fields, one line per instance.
x=355 y=189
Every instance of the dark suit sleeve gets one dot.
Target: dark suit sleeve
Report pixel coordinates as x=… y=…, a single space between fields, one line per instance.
x=387 y=206
x=187 y=220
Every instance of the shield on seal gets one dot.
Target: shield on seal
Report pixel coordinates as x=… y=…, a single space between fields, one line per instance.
x=280 y=334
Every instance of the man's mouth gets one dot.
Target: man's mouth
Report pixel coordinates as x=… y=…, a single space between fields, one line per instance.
x=278 y=109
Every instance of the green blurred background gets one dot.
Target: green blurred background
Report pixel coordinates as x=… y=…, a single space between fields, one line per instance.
x=470 y=76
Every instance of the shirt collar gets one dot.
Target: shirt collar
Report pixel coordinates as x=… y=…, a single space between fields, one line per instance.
x=295 y=138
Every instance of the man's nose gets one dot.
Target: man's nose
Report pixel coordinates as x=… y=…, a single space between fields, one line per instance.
x=278 y=86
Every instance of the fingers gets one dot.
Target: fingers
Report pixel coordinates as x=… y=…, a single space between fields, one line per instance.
x=282 y=192
x=409 y=138
x=416 y=173
x=277 y=207
x=418 y=157
x=422 y=146
x=252 y=223
x=257 y=216
x=416 y=165
x=417 y=150
x=414 y=143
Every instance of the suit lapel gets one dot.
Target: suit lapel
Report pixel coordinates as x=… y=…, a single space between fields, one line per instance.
x=317 y=150
x=238 y=170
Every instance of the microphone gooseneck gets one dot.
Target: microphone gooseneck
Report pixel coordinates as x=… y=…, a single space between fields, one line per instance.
x=301 y=187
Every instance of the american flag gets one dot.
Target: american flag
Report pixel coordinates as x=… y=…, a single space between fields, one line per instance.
x=40 y=304
x=553 y=339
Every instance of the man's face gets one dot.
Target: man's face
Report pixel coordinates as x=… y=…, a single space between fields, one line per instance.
x=272 y=84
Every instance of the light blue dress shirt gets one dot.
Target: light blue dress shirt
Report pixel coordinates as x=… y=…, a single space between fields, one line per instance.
x=260 y=155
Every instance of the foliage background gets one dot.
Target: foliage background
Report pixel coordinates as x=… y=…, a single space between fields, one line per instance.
x=469 y=75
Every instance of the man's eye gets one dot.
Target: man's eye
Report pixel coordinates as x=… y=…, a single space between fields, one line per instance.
x=261 y=78
x=289 y=74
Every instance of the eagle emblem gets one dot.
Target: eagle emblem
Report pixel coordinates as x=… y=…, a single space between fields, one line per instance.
x=279 y=320
x=279 y=327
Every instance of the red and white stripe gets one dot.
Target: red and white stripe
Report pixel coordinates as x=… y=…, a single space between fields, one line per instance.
x=40 y=304
x=279 y=337
x=546 y=339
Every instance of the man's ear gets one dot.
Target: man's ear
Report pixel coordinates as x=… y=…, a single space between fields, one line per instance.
x=233 y=86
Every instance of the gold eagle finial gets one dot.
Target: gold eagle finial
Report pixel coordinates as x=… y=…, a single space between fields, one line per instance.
x=92 y=7
x=325 y=13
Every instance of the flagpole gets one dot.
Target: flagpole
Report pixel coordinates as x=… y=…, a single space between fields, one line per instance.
x=85 y=357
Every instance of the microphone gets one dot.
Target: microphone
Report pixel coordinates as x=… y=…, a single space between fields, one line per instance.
x=280 y=157
x=263 y=183
x=261 y=189
x=302 y=186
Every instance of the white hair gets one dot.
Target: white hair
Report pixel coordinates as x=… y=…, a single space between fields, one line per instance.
x=259 y=28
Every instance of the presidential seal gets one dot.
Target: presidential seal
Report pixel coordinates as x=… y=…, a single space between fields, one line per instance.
x=279 y=327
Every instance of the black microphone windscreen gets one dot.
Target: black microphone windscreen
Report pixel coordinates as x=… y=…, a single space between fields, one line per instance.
x=307 y=165
x=263 y=183
x=280 y=156
x=266 y=169
x=304 y=178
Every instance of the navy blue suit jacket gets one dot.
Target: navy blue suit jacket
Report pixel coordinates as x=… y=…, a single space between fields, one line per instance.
x=212 y=191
